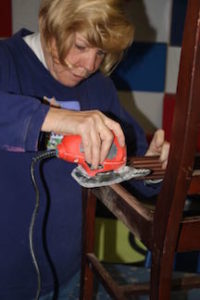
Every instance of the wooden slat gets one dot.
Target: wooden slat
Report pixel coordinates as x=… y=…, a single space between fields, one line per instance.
x=109 y=284
x=128 y=209
x=189 y=238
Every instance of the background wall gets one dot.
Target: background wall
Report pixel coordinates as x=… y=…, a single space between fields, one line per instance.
x=149 y=72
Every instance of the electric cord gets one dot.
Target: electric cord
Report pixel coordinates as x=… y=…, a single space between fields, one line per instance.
x=35 y=159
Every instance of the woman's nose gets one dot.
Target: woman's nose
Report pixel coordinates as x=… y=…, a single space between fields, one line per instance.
x=90 y=62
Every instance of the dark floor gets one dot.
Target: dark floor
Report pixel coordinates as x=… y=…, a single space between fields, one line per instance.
x=128 y=274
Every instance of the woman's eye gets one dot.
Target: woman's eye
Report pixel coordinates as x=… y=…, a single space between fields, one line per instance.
x=80 y=47
x=101 y=53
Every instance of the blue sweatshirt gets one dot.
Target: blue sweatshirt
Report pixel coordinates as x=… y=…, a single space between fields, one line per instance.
x=24 y=83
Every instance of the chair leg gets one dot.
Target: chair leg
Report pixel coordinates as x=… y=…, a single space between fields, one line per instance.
x=88 y=234
x=161 y=275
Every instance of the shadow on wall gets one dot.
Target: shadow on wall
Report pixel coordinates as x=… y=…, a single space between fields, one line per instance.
x=144 y=32
x=136 y=11
x=128 y=102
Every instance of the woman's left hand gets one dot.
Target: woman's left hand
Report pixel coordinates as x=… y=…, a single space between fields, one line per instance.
x=160 y=147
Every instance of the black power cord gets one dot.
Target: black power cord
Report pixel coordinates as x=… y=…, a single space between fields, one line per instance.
x=39 y=157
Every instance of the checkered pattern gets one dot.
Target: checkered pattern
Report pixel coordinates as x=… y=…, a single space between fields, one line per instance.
x=148 y=75
x=149 y=71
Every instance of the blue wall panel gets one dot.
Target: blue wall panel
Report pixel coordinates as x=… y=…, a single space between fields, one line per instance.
x=143 y=68
x=177 y=22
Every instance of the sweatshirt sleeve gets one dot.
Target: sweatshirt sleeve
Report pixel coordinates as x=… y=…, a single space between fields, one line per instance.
x=21 y=118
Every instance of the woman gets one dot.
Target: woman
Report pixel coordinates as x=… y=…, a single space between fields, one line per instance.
x=55 y=83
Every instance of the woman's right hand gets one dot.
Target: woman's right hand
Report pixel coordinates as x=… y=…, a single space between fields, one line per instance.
x=95 y=129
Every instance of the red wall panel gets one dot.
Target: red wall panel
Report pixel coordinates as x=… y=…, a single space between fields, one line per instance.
x=5 y=18
x=168 y=111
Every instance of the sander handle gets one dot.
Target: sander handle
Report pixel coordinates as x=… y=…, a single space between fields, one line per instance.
x=71 y=150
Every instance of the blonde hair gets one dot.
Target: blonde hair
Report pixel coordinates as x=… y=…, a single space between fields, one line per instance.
x=102 y=22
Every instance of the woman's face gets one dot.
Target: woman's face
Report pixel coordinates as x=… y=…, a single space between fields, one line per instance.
x=82 y=60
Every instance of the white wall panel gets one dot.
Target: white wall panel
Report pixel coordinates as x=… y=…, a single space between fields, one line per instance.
x=145 y=107
x=173 y=60
x=25 y=14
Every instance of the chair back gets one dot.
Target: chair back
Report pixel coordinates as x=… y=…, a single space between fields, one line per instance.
x=185 y=126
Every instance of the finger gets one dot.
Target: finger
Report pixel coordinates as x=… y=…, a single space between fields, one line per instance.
x=165 y=151
x=156 y=143
x=106 y=128
x=95 y=149
x=86 y=141
x=101 y=139
x=106 y=143
x=159 y=138
x=164 y=165
x=165 y=154
x=117 y=130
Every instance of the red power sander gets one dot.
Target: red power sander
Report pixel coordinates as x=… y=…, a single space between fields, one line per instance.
x=112 y=170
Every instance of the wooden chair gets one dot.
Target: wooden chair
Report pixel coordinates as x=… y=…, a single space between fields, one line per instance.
x=164 y=230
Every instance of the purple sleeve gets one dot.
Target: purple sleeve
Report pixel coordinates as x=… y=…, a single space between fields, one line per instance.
x=21 y=118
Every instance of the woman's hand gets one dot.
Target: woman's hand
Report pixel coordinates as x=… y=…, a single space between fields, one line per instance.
x=95 y=129
x=160 y=147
